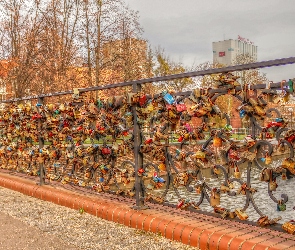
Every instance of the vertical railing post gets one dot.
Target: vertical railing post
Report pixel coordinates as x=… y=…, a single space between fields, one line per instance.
x=41 y=144
x=138 y=158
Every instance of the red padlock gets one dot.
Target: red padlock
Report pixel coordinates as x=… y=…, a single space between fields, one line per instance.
x=291 y=138
x=141 y=171
x=148 y=141
x=274 y=124
x=180 y=204
x=105 y=151
x=142 y=100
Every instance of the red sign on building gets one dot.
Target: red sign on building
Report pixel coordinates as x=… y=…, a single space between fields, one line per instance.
x=221 y=54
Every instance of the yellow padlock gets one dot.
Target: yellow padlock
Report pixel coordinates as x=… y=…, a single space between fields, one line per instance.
x=217 y=142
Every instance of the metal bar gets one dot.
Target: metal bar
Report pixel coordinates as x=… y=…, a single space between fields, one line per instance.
x=138 y=158
x=41 y=145
x=263 y=64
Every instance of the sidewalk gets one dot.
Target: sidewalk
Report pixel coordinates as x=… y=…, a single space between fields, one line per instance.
x=30 y=223
x=198 y=230
x=15 y=234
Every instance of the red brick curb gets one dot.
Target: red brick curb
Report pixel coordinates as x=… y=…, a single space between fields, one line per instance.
x=205 y=232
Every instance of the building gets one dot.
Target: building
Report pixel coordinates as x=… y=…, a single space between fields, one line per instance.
x=225 y=52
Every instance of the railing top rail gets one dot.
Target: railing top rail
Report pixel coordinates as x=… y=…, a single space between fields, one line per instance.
x=255 y=65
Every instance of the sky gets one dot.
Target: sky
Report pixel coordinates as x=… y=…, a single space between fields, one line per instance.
x=185 y=29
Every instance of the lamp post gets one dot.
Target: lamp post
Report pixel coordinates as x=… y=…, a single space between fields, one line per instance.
x=291 y=115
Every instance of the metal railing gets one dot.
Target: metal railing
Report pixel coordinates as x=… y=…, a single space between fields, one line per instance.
x=101 y=144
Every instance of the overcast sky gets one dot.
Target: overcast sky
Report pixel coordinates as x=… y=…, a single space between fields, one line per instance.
x=187 y=28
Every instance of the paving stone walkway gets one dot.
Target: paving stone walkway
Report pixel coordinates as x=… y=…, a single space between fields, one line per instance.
x=30 y=223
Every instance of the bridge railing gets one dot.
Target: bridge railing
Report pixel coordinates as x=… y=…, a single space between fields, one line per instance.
x=146 y=145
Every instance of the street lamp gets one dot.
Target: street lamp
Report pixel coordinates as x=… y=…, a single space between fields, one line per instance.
x=291 y=115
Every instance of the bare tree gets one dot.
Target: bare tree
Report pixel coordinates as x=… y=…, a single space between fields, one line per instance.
x=165 y=66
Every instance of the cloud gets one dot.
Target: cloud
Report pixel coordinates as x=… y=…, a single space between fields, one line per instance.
x=186 y=29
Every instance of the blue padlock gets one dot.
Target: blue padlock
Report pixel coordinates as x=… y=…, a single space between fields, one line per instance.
x=169 y=98
x=242 y=113
x=101 y=179
x=161 y=180
x=262 y=159
x=279 y=120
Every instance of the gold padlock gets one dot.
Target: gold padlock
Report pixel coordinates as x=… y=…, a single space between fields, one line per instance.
x=199 y=189
x=216 y=170
x=273 y=185
x=268 y=159
x=237 y=173
x=259 y=111
x=224 y=188
x=200 y=154
x=276 y=99
x=289 y=227
x=214 y=197
x=241 y=214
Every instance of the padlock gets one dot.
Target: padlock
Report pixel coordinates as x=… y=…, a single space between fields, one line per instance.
x=214 y=197
x=216 y=170
x=169 y=98
x=197 y=93
x=162 y=167
x=222 y=211
x=259 y=111
x=265 y=174
x=181 y=107
x=242 y=113
x=289 y=227
x=106 y=150
x=276 y=99
x=232 y=215
x=200 y=154
x=281 y=206
x=263 y=221
x=273 y=185
x=217 y=142
x=237 y=173
x=99 y=103
x=224 y=188
x=142 y=100
x=199 y=189
x=241 y=214
x=289 y=164
x=268 y=159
